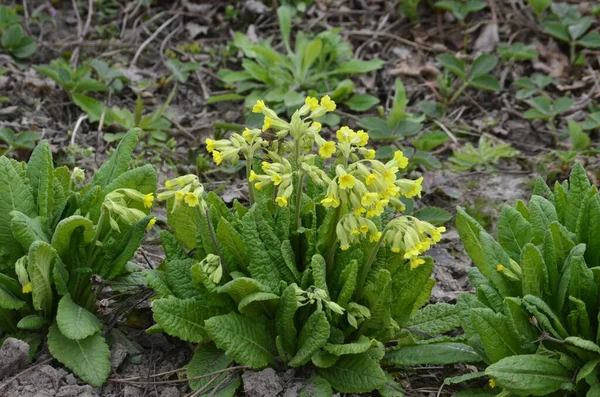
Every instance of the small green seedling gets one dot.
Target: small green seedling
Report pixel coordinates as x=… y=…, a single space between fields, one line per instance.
x=545 y=108
x=539 y=6
x=592 y=122
x=482 y=158
x=568 y=25
x=461 y=11
x=515 y=52
x=181 y=70
x=25 y=140
x=579 y=140
x=477 y=77
x=14 y=40
x=530 y=86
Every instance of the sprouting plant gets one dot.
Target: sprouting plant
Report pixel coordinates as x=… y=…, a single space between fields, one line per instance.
x=12 y=38
x=312 y=273
x=516 y=52
x=461 y=10
x=568 y=25
x=312 y=65
x=398 y=125
x=25 y=140
x=477 y=77
x=55 y=232
x=181 y=70
x=539 y=6
x=530 y=86
x=409 y=8
x=483 y=157
x=533 y=318
x=543 y=107
x=580 y=141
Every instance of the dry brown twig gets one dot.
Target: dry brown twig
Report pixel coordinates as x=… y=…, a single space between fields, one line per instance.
x=151 y=38
x=81 y=31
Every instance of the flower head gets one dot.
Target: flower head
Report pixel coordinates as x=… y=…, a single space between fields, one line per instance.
x=151 y=223
x=210 y=145
x=327 y=103
x=258 y=107
x=282 y=201
x=148 y=200
x=347 y=181
x=327 y=150
x=312 y=102
x=191 y=199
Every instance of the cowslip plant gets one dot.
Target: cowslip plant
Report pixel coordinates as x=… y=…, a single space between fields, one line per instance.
x=568 y=25
x=483 y=157
x=315 y=65
x=12 y=38
x=477 y=77
x=534 y=317
x=315 y=271
x=55 y=232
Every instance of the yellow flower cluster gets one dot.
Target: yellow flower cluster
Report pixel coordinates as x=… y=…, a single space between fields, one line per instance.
x=117 y=205
x=184 y=189
x=229 y=149
x=411 y=237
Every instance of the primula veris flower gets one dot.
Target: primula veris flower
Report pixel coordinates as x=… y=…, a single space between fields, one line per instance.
x=267 y=123
x=400 y=159
x=281 y=201
x=258 y=106
x=327 y=103
x=327 y=150
x=363 y=138
x=312 y=102
x=347 y=181
x=151 y=223
x=499 y=267
x=148 y=200
x=492 y=383
x=27 y=288
x=330 y=201
x=210 y=145
x=277 y=179
x=191 y=199
x=217 y=157
x=252 y=176
x=317 y=126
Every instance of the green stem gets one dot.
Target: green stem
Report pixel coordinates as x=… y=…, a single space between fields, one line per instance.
x=465 y=39
x=332 y=241
x=297 y=220
x=458 y=92
x=96 y=237
x=250 y=186
x=367 y=267
x=211 y=232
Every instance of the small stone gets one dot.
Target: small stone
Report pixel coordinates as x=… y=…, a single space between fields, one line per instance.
x=170 y=392
x=70 y=379
x=118 y=354
x=132 y=391
x=14 y=355
x=265 y=383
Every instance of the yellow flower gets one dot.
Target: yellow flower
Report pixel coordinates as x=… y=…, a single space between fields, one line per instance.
x=265 y=166
x=218 y=157
x=281 y=201
x=364 y=228
x=345 y=247
x=252 y=177
x=492 y=383
x=327 y=150
x=277 y=179
x=258 y=106
x=247 y=135
x=169 y=185
x=210 y=145
x=371 y=178
x=257 y=186
x=499 y=267
x=375 y=237
x=359 y=211
x=345 y=134
x=416 y=262
x=148 y=200
x=330 y=201
x=400 y=159
x=347 y=181
x=27 y=288
x=363 y=136
x=312 y=102
x=317 y=126
x=179 y=195
x=151 y=223
x=370 y=154
x=368 y=199
x=267 y=124
x=191 y=199
x=327 y=103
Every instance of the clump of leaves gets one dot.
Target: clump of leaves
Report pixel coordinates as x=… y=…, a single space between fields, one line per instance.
x=477 y=77
x=25 y=140
x=461 y=10
x=55 y=233
x=532 y=319
x=539 y=6
x=543 y=107
x=12 y=38
x=568 y=25
x=483 y=157
x=304 y=275
x=314 y=65
x=516 y=52
x=530 y=86
x=399 y=125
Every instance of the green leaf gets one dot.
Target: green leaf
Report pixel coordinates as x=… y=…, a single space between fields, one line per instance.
x=529 y=375
x=39 y=266
x=14 y=195
x=119 y=161
x=8 y=300
x=535 y=274
x=354 y=373
x=206 y=360
x=183 y=318
x=579 y=186
x=453 y=64
x=361 y=102
x=432 y=354
x=542 y=214
x=232 y=244
x=12 y=36
x=348 y=280
x=40 y=171
x=513 y=232
x=313 y=336
x=311 y=53
x=494 y=255
x=89 y=105
x=362 y=345
x=495 y=334
x=285 y=15
x=590 y=40
x=484 y=64
x=224 y=98
x=581 y=26
x=179 y=278
x=557 y=30
x=539 y=6
x=436 y=318
x=27 y=230
x=75 y=224
x=485 y=83
x=356 y=66
x=284 y=319
x=32 y=322
x=88 y=358
x=247 y=340
x=74 y=321
x=433 y=215
x=469 y=230
x=257 y=303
